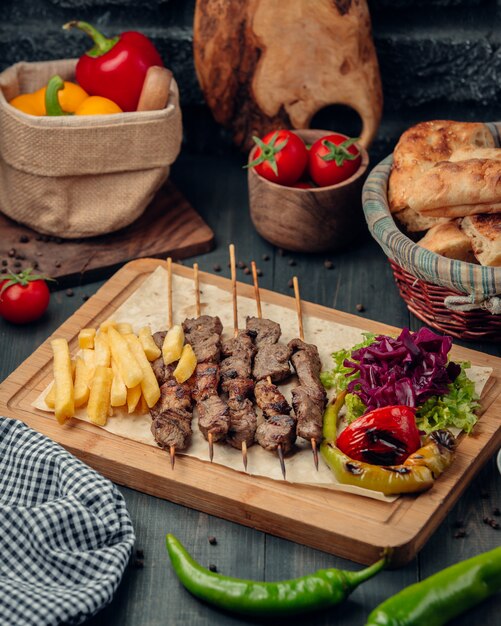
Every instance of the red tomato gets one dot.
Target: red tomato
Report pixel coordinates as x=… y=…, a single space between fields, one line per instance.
x=302 y=184
x=23 y=297
x=281 y=157
x=333 y=158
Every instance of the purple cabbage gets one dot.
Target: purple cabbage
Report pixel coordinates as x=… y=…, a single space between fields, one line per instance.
x=407 y=370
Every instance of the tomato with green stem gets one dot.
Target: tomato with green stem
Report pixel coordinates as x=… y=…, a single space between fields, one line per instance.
x=280 y=157
x=24 y=297
x=333 y=159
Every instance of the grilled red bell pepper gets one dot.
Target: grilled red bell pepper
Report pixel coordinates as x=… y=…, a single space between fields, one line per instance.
x=385 y=436
x=115 y=68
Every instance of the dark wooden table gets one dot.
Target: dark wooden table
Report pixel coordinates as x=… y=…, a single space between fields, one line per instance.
x=151 y=595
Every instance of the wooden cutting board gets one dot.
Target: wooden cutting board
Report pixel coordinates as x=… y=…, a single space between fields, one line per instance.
x=266 y=65
x=170 y=226
x=348 y=525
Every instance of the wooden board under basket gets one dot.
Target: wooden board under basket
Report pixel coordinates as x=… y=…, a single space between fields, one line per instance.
x=348 y=525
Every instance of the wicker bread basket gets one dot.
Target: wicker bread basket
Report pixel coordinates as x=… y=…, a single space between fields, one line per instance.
x=80 y=176
x=458 y=298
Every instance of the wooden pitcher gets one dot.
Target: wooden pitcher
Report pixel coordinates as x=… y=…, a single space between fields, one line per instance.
x=267 y=64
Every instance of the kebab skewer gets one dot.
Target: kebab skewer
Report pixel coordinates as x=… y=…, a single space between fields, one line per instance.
x=203 y=333
x=271 y=364
x=172 y=414
x=236 y=375
x=309 y=397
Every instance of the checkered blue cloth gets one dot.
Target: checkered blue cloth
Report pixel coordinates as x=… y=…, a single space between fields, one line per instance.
x=65 y=533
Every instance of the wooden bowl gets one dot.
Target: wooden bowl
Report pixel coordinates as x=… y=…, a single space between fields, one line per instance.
x=308 y=220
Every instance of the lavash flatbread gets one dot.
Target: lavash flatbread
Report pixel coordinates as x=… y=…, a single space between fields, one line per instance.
x=426 y=144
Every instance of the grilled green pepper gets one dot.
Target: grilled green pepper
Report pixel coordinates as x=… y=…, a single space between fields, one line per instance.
x=320 y=590
x=417 y=473
x=443 y=596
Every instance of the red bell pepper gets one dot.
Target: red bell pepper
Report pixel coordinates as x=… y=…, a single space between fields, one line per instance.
x=385 y=436
x=115 y=68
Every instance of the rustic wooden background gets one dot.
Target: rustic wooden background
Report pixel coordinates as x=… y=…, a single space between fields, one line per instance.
x=151 y=595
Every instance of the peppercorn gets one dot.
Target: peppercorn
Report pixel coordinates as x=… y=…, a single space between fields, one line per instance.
x=259 y=272
x=266 y=257
x=69 y=293
x=360 y=307
x=291 y=262
x=212 y=540
x=12 y=252
x=329 y=265
x=212 y=567
x=247 y=271
x=5 y=262
x=216 y=267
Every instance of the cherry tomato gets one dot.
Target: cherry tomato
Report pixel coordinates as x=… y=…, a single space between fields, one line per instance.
x=302 y=184
x=23 y=297
x=333 y=159
x=281 y=157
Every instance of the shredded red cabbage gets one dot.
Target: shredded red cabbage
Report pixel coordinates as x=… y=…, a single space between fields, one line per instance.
x=403 y=371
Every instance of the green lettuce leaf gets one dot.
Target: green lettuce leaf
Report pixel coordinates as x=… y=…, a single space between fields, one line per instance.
x=336 y=377
x=456 y=409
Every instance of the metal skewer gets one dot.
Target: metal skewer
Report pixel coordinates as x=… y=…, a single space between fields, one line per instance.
x=257 y=297
x=233 y=267
x=196 y=283
x=172 y=449
x=299 y=312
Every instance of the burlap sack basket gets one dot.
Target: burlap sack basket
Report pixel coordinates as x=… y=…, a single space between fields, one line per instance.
x=80 y=176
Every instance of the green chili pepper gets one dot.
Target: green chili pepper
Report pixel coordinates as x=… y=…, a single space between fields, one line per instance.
x=443 y=596
x=320 y=590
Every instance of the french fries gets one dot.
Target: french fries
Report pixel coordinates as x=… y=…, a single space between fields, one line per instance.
x=127 y=364
x=113 y=369
x=150 y=348
x=64 y=400
x=187 y=364
x=149 y=384
x=86 y=338
x=81 y=384
x=173 y=345
x=98 y=406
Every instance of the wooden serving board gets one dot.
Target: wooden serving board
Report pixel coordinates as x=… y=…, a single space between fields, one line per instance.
x=170 y=226
x=348 y=525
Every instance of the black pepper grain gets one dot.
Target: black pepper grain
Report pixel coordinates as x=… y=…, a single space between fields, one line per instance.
x=17 y=264
x=241 y=265
x=69 y=293
x=35 y=265
x=329 y=265
x=290 y=283
x=259 y=272
x=57 y=264
x=5 y=262
x=12 y=252
x=212 y=540
x=24 y=239
x=266 y=257
x=247 y=270
x=291 y=262
x=212 y=567
x=85 y=297
x=216 y=267
x=360 y=307
x=3 y=270
x=20 y=257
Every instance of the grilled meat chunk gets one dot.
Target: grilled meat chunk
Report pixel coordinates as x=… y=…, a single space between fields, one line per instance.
x=243 y=420
x=171 y=415
x=213 y=417
x=206 y=381
x=204 y=335
x=172 y=429
x=159 y=368
x=309 y=398
x=309 y=408
x=238 y=353
x=275 y=431
x=264 y=332
x=272 y=360
x=306 y=362
x=205 y=323
x=270 y=400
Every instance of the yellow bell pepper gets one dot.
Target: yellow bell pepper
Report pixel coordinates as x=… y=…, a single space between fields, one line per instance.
x=91 y=105
x=70 y=97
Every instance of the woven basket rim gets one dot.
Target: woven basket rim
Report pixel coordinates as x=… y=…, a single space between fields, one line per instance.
x=477 y=281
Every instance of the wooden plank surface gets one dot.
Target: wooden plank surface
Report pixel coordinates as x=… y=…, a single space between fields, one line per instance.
x=332 y=521
x=151 y=595
x=169 y=226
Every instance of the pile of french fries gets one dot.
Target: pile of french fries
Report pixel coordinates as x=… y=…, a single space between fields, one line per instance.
x=113 y=369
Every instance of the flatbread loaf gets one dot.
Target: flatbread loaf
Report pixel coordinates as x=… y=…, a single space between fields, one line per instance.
x=447 y=184
x=448 y=240
x=414 y=222
x=485 y=234
x=426 y=144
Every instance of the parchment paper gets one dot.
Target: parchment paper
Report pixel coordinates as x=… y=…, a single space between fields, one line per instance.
x=148 y=305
